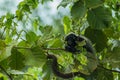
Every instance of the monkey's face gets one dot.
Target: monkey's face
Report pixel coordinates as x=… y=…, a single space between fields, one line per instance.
x=71 y=40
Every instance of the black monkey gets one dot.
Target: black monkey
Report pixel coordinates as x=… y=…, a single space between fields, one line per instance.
x=73 y=40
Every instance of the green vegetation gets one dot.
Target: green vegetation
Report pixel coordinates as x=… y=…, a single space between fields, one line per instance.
x=26 y=43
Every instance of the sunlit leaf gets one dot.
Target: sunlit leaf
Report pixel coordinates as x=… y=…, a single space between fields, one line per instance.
x=67 y=24
x=31 y=37
x=34 y=56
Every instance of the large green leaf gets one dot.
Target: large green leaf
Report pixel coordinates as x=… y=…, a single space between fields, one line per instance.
x=78 y=10
x=35 y=56
x=56 y=43
x=47 y=71
x=5 y=51
x=99 y=18
x=98 y=38
x=93 y=3
x=101 y=74
x=16 y=60
x=31 y=37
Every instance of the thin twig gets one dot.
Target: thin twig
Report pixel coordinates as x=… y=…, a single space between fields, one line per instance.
x=3 y=32
x=6 y=72
x=54 y=49
x=108 y=69
x=21 y=47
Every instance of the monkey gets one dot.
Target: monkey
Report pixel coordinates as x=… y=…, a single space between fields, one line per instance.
x=73 y=40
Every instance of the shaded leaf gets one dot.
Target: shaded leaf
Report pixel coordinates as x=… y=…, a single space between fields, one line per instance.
x=78 y=10
x=31 y=37
x=93 y=3
x=101 y=74
x=16 y=60
x=47 y=71
x=99 y=18
x=98 y=38
x=113 y=59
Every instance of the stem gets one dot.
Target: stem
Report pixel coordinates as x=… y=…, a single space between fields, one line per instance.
x=3 y=32
x=54 y=49
x=108 y=69
x=21 y=47
x=6 y=72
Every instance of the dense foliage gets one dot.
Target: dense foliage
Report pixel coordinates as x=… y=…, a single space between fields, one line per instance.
x=24 y=49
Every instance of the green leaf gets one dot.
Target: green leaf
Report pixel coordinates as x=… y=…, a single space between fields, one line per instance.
x=47 y=71
x=5 y=53
x=35 y=56
x=3 y=77
x=16 y=60
x=43 y=1
x=78 y=10
x=55 y=43
x=109 y=32
x=113 y=58
x=93 y=3
x=33 y=3
x=35 y=24
x=64 y=3
x=98 y=38
x=82 y=58
x=9 y=16
x=101 y=74
x=8 y=38
x=67 y=24
x=46 y=30
x=99 y=18
x=19 y=15
x=31 y=37
x=2 y=44
x=26 y=8
x=8 y=23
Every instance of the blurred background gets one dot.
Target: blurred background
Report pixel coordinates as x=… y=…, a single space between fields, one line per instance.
x=48 y=13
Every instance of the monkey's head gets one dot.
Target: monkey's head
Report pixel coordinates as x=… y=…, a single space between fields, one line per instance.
x=71 y=42
x=70 y=39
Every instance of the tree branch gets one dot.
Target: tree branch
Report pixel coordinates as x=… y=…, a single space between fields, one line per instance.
x=6 y=72
x=21 y=47
x=108 y=69
x=54 y=49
